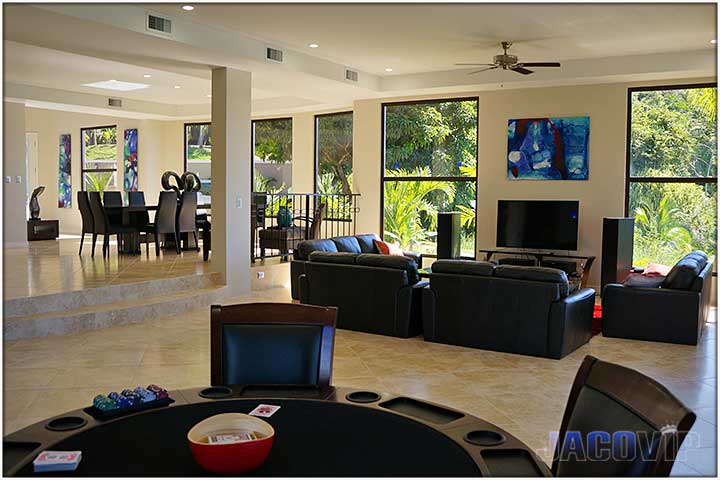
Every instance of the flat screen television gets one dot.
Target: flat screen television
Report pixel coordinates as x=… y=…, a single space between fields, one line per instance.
x=548 y=224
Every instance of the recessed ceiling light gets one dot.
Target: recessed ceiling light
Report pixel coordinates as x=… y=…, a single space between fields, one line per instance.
x=713 y=41
x=188 y=8
x=388 y=69
x=209 y=96
x=313 y=45
x=176 y=86
x=146 y=76
x=116 y=85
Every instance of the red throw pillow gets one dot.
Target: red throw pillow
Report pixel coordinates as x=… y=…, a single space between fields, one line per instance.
x=388 y=248
x=654 y=269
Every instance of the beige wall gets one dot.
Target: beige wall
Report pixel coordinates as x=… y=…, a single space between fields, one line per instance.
x=14 y=193
x=160 y=148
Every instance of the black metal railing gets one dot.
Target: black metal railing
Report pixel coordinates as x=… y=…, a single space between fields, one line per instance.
x=282 y=220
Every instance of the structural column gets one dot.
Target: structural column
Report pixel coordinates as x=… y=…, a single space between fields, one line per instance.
x=14 y=169
x=230 y=173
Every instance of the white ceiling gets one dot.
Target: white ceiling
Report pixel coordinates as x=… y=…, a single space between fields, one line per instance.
x=412 y=38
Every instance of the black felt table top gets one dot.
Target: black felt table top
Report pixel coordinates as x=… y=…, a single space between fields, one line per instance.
x=312 y=438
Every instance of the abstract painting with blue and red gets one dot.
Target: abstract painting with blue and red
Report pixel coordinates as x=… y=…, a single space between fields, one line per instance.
x=551 y=148
x=65 y=173
x=131 y=160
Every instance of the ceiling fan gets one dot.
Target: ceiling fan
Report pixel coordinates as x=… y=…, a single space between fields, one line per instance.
x=507 y=61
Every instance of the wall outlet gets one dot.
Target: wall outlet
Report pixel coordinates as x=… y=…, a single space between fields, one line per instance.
x=260 y=275
x=18 y=179
x=8 y=179
x=238 y=201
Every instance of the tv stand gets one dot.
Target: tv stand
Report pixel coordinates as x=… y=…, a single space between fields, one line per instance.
x=586 y=261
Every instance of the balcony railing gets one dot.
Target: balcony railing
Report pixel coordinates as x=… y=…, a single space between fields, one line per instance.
x=282 y=220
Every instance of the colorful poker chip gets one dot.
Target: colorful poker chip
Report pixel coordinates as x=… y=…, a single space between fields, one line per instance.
x=132 y=397
x=145 y=394
x=160 y=393
x=101 y=402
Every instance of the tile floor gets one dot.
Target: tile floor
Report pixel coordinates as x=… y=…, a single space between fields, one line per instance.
x=47 y=267
x=524 y=395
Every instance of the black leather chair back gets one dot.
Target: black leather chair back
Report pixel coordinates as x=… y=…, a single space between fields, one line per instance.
x=609 y=398
x=101 y=223
x=88 y=224
x=187 y=213
x=271 y=344
x=137 y=199
x=113 y=199
x=165 y=215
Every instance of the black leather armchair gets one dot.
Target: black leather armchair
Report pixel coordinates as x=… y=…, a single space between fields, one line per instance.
x=526 y=310
x=673 y=309
x=350 y=244
x=374 y=293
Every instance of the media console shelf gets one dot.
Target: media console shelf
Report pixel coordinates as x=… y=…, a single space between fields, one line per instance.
x=586 y=262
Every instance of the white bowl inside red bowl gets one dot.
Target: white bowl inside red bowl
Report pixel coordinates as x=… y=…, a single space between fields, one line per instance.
x=233 y=456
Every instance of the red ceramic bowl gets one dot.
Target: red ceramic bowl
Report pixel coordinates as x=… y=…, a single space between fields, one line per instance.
x=231 y=458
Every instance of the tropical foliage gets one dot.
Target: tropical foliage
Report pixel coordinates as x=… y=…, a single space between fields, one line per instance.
x=335 y=153
x=430 y=140
x=273 y=140
x=673 y=135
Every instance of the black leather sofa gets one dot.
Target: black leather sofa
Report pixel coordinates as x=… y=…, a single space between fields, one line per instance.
x=507 y=308
x=350 y=244
x=670 y=309
x=374 y=293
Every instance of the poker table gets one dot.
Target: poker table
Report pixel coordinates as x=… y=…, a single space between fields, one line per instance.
x=318 y=432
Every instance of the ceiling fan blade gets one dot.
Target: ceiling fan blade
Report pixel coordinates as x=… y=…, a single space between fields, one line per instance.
x=476 y=64
x=483 y=70
x=519 y=69
x=539 y=64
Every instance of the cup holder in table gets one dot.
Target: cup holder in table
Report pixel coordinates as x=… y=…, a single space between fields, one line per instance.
x=484 y=438
x=363 y=397
x=216 y=392
x=64 y=424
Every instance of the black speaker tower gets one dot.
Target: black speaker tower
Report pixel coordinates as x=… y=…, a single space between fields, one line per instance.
x=617 y=250
x=448 y=235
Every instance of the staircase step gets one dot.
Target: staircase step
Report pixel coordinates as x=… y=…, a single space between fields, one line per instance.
x=76 y=299
x=121 y=312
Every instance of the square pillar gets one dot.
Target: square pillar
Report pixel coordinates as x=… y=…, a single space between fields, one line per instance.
x=230 y=173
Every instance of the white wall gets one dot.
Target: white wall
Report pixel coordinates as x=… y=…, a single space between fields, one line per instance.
x=160 y=148
x=14 y=194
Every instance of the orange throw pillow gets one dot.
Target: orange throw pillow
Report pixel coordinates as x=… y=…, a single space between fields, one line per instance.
x=653 y=269
x=388 y=248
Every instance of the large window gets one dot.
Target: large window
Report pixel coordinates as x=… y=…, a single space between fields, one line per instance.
x=672 y=171
x=99 y=158
x=198 y=150
x=429 y=166
x=272 y=155
x=333 y=153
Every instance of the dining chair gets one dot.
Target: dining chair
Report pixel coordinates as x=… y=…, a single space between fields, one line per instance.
x=102 y=225
x=88 y=225
x=164 y=223
x=631 y=425
x=113 y=199
x=271 y=344
x=186 y=217
x=138 y=217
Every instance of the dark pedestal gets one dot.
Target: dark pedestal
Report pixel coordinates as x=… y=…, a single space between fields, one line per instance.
x=42 y=230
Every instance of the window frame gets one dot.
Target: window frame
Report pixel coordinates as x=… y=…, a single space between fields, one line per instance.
x=628 y=142
x=252 y=144
x=185 y=144
x=316 y=120
x=82 y=155
x=384 y=178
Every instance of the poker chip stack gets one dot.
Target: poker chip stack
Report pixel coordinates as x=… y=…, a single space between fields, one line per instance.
x=129 y=398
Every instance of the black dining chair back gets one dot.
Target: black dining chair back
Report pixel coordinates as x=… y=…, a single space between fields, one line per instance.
x=100 y=218
x=113 y=199
x=619 y=423
x=186 y=217
x=137 y=199
x=165 y=215
x=271 y=344
x=88 y=224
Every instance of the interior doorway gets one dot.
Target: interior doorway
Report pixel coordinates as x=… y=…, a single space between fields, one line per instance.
x=31 y=167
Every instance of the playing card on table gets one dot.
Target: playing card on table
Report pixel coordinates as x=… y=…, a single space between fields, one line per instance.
x=57 y=461
x=263 y=410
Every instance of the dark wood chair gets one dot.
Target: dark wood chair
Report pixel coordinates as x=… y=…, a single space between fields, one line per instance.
x=102 y=225
x=285 y=239
x=187 y=217
x=606 y=399
x=88 y=225
x=113 y=202
x=164 y=223
x=271 y=344
x=139 y=216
